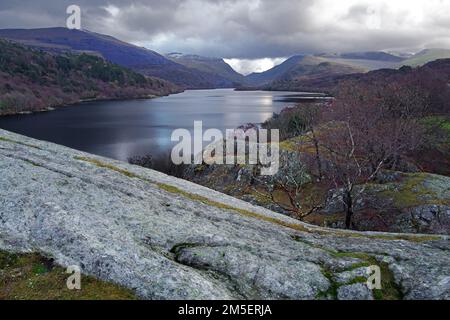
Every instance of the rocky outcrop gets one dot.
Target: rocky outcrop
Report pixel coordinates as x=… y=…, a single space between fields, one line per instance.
x=399 y=202
x=167 y=238
x=414 y=202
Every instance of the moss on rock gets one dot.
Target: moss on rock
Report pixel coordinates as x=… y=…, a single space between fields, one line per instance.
x=34 y=277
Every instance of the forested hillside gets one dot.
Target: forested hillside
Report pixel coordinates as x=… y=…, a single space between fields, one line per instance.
x=139 y=59
x=32 y=80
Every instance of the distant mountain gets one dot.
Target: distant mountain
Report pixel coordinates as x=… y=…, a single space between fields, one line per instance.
x=33 y=80
x=435 y=74
x=127 y=55
x=320 y=72
x=226 y=75
x=300 y=68
x=372 y=55
x=262 y=78
x=63 y=40
x=426 y=56
x=368 y=61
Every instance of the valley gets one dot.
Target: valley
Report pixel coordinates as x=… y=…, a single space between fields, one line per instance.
x=302 y=72
x=86 y=122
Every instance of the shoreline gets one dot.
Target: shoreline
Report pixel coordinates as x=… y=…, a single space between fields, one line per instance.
x=82 y=101
x=311 y=96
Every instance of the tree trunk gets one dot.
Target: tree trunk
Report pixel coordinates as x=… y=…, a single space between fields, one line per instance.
x=316 y=146
x=348 y=203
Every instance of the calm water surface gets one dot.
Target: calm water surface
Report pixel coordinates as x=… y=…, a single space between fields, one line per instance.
x=122 y=129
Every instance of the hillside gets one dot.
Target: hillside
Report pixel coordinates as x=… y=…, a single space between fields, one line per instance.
x=318 y=72
x=32 y=80
x=366 y=61
x=371 y=55
x=324 y=65
x=166 y=238
x=300 y=69
x=63 y=40
x=426 y=56
x=410 y=191
x=398 y=202
x=217 y=67
x=127 y=55
x=261 y=78
x=328 y=82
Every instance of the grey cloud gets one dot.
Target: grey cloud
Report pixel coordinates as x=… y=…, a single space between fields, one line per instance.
x=242 y=29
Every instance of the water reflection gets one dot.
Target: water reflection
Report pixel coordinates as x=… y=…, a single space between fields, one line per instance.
x=122 y=129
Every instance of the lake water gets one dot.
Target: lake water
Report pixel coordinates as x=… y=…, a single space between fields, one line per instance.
x=122 y=129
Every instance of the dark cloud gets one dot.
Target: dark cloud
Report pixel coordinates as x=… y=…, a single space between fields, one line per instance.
x=249 y=29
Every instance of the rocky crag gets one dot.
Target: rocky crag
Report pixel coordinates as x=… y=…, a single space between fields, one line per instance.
x=398 y=202
x=166 y=238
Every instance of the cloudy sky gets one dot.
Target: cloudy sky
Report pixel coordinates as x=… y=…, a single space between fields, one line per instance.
x=252 y=34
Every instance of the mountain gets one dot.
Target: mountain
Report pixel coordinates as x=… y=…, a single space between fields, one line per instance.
x=372 y=55
x=270 y=75
x=33 y=80
x=325 y=76
x=368 y=61
x=426 y=56
x=226 y=76
x=319 y=67
x=148 y=62
x=63 y=40
x=434 y=75
x=300 y=68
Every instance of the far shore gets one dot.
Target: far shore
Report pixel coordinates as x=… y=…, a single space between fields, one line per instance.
x=81 y=101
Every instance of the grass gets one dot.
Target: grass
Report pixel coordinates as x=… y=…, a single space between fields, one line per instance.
x=431 y=55
x=412 y=191
x=34 y=277
x=220 y=205
x=442 y=122
x=195 y=197
x=18 y=142
x=302 y=144
x=104 y=165
x=332 y=289
x=440 y=126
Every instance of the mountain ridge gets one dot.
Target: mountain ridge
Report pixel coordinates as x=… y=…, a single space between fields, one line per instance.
x=34 y=80
x=226 y=75
x=197 y=72
x=139 y=59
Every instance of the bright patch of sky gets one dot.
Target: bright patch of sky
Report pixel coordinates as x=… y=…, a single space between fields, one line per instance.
x=251 y=34
x=247 y=66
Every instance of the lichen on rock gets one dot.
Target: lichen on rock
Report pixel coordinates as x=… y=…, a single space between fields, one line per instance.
x=166 y=238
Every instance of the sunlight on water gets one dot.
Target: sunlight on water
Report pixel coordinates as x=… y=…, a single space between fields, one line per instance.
x=122 y=129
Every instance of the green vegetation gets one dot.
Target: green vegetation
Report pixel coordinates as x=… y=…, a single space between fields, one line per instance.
x=175 y=190
x=439 y=129
x=389 y=289
x=34 y=277
x=18 y=142
x=105 y=165
x=426 y=56
x=414 y=189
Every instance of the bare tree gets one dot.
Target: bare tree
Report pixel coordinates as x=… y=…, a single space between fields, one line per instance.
x=300 y=120
x=375 y=127
x=288 y=190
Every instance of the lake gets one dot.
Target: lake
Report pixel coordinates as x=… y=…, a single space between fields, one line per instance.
x=123 y=129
